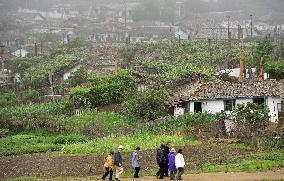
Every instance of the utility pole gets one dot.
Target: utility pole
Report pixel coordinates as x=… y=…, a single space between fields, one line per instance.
x=125 y=15
x=210 y=50
x=228 y=18
x=35 y=49
x=251 y=26
x=2 y=50
x=229 y=33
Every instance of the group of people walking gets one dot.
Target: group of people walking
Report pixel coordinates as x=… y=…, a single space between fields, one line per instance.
x=166 y=157
x=168 y=160
x=114 y=161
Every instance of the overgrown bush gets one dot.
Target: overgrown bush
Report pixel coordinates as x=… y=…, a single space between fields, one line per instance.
x=29 y=95
x=112 y=89
x=31 y=117
x=249 y=118
x=270 y=139
x=147 y=105
x=7 y=99
x=275 y=69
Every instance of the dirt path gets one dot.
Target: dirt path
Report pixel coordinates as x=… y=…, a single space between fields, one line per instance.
x=241 y=176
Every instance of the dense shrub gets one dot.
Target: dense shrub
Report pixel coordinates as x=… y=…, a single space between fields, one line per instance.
x=249 y=119
x=112 y=89
x=31 y=116
x=275 y=69
x=147 y=105
x=191 y=124
x=270 y=138
x=7 y=99
x=29 y=95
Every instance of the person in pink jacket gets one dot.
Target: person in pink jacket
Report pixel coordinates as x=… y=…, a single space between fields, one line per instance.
x=180 y=164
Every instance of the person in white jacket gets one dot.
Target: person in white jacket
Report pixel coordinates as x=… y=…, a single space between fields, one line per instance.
x=180 y=164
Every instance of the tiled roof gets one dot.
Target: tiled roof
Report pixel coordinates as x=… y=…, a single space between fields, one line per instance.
x=234 y=90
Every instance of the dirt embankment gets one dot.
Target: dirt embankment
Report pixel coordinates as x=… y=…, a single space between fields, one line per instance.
x=44 y=166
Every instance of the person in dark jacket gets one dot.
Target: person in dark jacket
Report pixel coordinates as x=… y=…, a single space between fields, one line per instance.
x=161 y=161
x=166 y=153
x=172 y=166
x=117 y=162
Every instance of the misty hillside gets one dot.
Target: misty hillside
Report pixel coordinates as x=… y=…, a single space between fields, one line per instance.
x=257 y=7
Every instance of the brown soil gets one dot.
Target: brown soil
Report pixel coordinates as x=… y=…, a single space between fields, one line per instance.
x=44 y=166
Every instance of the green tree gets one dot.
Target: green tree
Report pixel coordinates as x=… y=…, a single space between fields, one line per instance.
x=264 y=48
x=282 y=47
x=79 y=77
x=147 y=105
x=275 y=69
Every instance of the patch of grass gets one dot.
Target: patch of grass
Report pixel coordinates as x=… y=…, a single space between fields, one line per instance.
x=144 y=140
x=266 y=161
x=27 y=144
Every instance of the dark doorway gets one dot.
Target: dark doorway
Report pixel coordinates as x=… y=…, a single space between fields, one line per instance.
x=197 y=107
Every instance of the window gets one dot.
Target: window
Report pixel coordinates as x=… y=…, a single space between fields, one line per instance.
x=259 y=101
x=229 y=105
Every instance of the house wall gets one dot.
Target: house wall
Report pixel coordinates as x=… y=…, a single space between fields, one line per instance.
x=67 y=74
x=213 y=106
x=216 y=106
x=271 y=103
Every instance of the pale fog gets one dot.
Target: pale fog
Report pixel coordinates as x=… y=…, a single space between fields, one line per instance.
x=114 y=20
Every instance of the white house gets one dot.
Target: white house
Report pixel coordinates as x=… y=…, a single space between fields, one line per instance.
x=20 y=53
x=222 y=97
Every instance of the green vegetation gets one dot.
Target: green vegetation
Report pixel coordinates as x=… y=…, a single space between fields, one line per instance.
x=7 y=99
x=112 y=89
x=27 y=144
x=171 y=62
x=266 y=161
x=143 y=139
x=146 y=105
x=275 y=69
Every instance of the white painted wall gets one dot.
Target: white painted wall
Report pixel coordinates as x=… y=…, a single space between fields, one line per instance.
x=212 y=106
x=178 y=111
x=272 y=106
x=216 y=106
x=67 y=74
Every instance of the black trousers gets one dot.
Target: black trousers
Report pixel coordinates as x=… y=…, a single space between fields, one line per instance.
x=108 y=171
x=166 y=170
x=161 y=170
x=180 y=171
x=136 y=173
